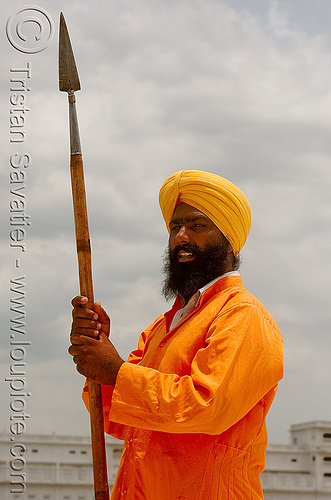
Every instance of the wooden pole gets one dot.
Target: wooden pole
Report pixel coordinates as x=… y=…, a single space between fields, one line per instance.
x=101 y=489
x=69 y=82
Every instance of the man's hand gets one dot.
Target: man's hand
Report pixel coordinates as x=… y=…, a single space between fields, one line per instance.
x=95 y=356
x=88 y=322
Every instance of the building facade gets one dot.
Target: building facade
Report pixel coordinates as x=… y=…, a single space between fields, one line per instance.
x=51 y=467
x=301 y=470
x=60 y=467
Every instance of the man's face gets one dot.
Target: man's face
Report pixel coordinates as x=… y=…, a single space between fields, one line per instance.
x=189 y=226
x=198 y=253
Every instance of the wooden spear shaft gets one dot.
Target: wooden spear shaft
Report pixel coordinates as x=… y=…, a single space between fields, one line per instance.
x=101 y=489
x=69 y=82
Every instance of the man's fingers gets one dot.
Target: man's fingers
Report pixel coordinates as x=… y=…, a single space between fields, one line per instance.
x=89 y=331
x=86 y=323
x=98 y=308
x=79 y=300
x=101 y=312
x=73 y=350
x=76 y=340
x=81 y=340
x=80 y=310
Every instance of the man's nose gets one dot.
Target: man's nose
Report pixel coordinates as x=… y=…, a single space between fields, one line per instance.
x=182 y=236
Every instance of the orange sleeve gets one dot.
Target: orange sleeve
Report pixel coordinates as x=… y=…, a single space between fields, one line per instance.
x=116 y=429
x=241 y=363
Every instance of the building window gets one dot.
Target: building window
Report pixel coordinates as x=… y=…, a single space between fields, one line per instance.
x=72 y=451
x=327 y=474
x=34 y=450
x=293 y=460
x=327 y=459
x=327 y=435
x=83 y=452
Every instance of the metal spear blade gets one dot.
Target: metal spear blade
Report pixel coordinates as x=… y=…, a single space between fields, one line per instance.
x=68 y=74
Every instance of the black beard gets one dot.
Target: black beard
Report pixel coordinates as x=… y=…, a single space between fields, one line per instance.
x=185 y=278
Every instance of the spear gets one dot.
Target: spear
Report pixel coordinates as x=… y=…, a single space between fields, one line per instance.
x=69 y=82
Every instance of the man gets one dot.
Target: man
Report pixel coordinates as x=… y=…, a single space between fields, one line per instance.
x=191 y=401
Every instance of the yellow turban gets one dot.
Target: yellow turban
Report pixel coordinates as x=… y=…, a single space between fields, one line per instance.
x=214 y=196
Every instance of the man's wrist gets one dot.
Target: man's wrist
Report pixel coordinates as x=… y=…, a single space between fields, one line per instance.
x=116 y=369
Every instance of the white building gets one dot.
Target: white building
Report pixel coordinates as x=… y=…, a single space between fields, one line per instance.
x=301 y=470
x=51 y=467
x=59 y=467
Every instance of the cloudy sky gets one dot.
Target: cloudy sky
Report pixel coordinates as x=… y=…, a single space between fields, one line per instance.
x=238 y=88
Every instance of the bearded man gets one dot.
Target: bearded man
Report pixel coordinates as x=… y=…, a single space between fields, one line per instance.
x=191 y=400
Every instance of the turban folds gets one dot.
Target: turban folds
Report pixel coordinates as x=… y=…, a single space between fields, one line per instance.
x=214 y=196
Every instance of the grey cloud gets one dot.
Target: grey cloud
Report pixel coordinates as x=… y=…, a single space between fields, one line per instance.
x=240 y=90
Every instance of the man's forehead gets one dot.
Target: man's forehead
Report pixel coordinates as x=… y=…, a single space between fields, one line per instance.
x=186 y=213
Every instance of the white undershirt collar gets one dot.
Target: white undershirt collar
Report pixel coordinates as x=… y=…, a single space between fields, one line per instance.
x=192 y=303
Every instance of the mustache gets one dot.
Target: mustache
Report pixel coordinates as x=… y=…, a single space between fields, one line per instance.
x=186 y=247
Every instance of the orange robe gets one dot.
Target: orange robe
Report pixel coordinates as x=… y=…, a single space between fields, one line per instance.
x=191 y=402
